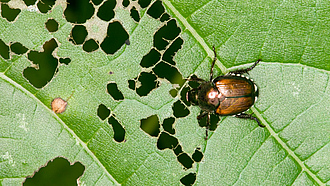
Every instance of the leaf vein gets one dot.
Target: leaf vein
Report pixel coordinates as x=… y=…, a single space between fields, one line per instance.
x=250 y=160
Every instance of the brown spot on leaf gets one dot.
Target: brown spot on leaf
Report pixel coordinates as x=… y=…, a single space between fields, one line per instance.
x=59 y=105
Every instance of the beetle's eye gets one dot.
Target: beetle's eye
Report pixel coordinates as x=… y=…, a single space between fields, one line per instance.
x=192 y=97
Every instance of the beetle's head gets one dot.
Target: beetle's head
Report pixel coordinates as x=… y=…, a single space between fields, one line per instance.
x=192 y=96
x=206 y=96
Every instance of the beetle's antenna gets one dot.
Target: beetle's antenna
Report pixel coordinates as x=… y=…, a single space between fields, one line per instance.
x=214 y=59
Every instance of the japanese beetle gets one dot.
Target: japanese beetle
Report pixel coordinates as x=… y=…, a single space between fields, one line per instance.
x=227 y=95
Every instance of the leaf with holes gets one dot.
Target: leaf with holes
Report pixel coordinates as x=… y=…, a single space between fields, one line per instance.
x=121 y=69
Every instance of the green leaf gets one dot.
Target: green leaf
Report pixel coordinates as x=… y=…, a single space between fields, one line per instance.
x=290 y=38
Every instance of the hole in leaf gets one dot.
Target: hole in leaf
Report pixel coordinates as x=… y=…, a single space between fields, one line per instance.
x=197 y=155
x=116 y=37
x=185 y=160
x=180 y=110
x=188 y=179
x=156 y=9
x=135 y=14
x=78 y=11
x=4 y=50
x=177 y=150
x=170 y=52
x=150 y=125
x=125 y=3
x=29 y=2
x=45 y=5
x=9 y=13
x=51 y=25
x=119 y=131
x=144 y=3
x=105 y=11
x=90 y=45
x=193 y=84
x=164 y=70
x=148 y=83
x=159 y=42
x=97 y=2
x=65 y=60
x=79 y=34
x=131 y=84
x=150 y=59
x=18 y=48
x=168 y=32
x=55 y=169
x=165 y=17
x=168 y=125
x=114 y=91
x=44 y=65
x=103 y=112
x=214 y=120
x=166 y=141
x=173 y=28
x=173 y=92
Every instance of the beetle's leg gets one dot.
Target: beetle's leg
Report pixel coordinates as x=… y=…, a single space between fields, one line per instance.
x=214 y=59
x=194 y=89
x=207 y=126
x=242 y=71
x=248 y=116
x=202 y=115
x=199 y=80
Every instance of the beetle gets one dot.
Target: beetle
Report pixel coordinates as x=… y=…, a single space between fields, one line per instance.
x=227 y=95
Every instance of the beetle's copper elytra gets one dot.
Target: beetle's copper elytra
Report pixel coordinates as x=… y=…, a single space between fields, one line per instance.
x=230 y=94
